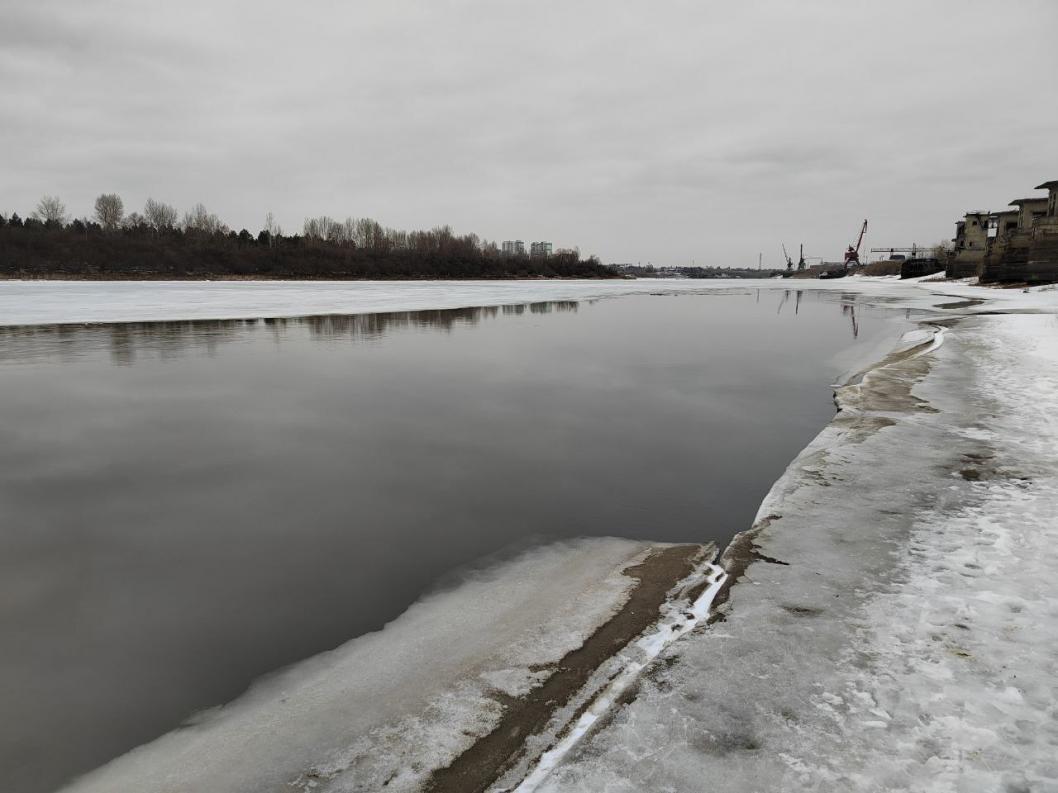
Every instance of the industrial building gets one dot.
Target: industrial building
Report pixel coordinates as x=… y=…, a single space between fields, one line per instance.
x=970 y=245
x=1014 y=245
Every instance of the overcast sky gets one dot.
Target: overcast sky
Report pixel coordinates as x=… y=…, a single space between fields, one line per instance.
x=640 y=131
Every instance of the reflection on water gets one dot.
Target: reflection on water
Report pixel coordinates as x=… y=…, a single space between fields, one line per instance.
x=125 y=341
x=167 y=339
x=847 y=301
x=187 y=505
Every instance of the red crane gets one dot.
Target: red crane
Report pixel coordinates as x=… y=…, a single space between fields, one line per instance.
x=852 y=255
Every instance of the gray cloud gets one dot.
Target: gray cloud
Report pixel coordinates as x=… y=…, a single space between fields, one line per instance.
x=659 y=131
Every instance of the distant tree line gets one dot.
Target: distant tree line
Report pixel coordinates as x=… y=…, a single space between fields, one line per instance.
x=650 y=271
x=160 y=243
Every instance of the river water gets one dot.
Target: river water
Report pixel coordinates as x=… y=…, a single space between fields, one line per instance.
x=185 y=506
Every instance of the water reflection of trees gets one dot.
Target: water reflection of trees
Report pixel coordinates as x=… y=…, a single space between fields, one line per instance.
x=170 y=339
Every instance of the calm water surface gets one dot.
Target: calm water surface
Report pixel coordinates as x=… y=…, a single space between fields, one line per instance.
x=186 y=506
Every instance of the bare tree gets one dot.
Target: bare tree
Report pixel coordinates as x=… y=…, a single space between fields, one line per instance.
x=51 y=210
x=272 y=228
x=942 y=250
x=109 y=210
x=134 y=221
x=335 y=232
x=370 y=234
x=202 y=220
x=325 y=229
x=161 y=217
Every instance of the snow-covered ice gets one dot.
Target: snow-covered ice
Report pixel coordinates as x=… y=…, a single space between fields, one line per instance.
x=47 y=302
x=951 y=681
x=51 y=302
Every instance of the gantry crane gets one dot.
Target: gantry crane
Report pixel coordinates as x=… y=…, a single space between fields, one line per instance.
x=914 y=250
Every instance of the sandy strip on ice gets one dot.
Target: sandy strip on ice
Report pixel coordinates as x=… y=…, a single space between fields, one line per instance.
x=681 y=615
x=660 y=572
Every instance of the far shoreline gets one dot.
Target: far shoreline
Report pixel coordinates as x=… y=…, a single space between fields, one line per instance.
x=154 y=278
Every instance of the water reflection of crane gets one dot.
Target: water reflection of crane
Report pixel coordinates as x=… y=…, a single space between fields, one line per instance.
x=786 y=297
x=849 y=309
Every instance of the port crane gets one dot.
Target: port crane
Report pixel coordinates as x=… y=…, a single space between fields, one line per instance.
x=852 y=255
x=801 y=261
x=789 y=261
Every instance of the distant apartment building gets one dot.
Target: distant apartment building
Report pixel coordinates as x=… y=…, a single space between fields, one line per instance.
x=540 y=249
x=514 y=248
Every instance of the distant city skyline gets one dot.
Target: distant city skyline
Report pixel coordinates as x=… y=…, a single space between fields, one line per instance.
x=664 y=133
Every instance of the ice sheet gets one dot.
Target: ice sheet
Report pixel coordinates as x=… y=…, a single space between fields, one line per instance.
x=47 y=302
x=393 y=704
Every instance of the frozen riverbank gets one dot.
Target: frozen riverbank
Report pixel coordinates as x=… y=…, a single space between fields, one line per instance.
x=892 y=621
